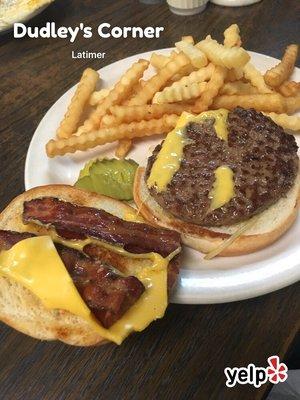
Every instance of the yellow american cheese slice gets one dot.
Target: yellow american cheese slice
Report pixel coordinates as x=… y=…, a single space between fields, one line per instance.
x=35 y=263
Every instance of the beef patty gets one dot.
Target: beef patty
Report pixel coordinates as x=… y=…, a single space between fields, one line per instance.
x=261 y=155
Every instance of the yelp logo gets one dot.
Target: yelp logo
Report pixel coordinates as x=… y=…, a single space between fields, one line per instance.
x=275 y=372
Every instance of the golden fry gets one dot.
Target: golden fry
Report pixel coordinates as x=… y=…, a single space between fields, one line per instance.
x=155 y=83
x=260 y=102
x=291 y=122
x=109 y=120
x=238 y=87
x=289 y=88
x=188 y=39
x=232 y=36
x=92 y=139
x=234 y=74
x=292 y=104
x=187 y=70
x=119 y=93
x=83 y=91
x=146 y=112
x=123 y=148
x=233 y=57
x=198 y=76
x=212 y=90
x=282 y=71
x=173 y=54
x=197 y=57
x=159 y=61
x=180 y=93
x=256 y=78
x=98 y=96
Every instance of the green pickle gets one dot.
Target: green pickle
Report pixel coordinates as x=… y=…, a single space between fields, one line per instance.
x=113 y=178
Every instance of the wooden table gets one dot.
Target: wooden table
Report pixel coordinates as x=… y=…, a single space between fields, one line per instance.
x=182 y=356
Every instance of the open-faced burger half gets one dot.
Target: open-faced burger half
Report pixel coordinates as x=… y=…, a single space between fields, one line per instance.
x=221 y=173
x=82 y=268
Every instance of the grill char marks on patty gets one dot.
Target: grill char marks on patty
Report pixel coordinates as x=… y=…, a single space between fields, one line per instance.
x=107 y=294
x=261 y=155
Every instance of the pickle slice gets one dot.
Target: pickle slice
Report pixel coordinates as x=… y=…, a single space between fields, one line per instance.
x=112 y=178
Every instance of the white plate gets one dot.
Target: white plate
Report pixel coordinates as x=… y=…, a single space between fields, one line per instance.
x=22 y=14
x=215 y=281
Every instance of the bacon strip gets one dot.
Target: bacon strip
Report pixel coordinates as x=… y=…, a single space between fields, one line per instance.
x=95 y=223
x=107 y=294
x=100 y=253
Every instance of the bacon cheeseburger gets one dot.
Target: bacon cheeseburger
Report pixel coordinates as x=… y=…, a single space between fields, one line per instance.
x=82 y=268
x=227 y=181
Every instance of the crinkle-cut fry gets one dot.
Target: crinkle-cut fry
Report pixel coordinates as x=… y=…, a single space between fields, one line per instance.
x=92 y=139
x=291 y=122
x=233 y=57
x=180 y=93
x=234 y=74
x=197 y=57
x=158 y=61
x=292 y=104
x=136 y=88
x=188 y=69
x=238 y=87
x=232 y=36
x=134 y=92
x=155 y=83
x=98 y=96
x=281 y=72
x=109 y=120
x=188 y=39
x=123 y=148
x=119 y=93
x=260 y=102
x=200 y=75
x=212 y=89
x=82 y=94
x=127 y=114
x=289 y=88
x=256 y=78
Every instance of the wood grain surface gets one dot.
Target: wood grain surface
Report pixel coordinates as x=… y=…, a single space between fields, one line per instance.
x=182 y=356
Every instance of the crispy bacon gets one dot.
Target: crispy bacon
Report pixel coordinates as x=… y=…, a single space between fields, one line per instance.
x=107 y=294
x=99 y=224
x=9 y=238
x=100 y=253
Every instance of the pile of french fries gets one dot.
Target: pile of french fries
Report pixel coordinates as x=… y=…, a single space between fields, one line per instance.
x=195 y=77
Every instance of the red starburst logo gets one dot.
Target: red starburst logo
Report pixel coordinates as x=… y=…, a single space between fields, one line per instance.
x=277 y=371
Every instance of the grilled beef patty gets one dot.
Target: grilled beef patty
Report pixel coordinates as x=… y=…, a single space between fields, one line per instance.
x=261 y=155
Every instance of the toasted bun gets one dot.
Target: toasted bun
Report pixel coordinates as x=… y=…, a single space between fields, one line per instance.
x=21 y=309
x=271 y=224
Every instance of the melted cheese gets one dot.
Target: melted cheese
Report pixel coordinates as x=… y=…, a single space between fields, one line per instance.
x=35 y=263
x=220 y=116
x=223 y=187
x=169 y=157
x=132 y=216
